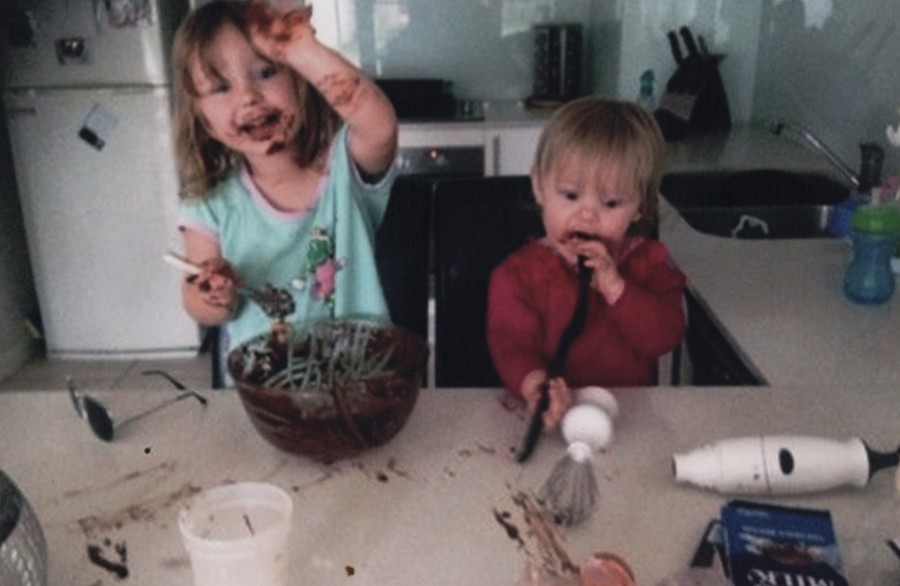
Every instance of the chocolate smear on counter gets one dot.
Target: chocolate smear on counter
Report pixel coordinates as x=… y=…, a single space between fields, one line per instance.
x=549 y=554
x=396 y=469
x=349 y=570
x=503 y=517
x=146 y=511
x=151 y=475
x=119 y=567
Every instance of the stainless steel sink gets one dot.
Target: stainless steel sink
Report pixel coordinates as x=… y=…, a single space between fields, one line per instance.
x=752 y=222
x=767 y=204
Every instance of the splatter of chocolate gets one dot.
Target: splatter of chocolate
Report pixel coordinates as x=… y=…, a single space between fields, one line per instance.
x=118 y=567
x=396 y=469
x=487 y=449
x=349 y=570
x=341 y=91
x=249 y=526
x=503 y=518
x=147 y=450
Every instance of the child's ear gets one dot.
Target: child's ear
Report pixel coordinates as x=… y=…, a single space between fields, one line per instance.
x=536 y=187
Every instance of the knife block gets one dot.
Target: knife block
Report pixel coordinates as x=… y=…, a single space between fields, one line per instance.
x=694 y=100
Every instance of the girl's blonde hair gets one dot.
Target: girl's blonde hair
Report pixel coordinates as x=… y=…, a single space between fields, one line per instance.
x=607 y=136
x=202 y=160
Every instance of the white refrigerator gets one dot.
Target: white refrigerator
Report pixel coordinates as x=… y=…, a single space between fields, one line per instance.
x=86 y=93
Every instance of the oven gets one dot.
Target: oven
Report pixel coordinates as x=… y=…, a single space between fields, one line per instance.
x=441 y=137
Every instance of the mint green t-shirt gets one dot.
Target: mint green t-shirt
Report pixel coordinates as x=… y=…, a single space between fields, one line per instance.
x=325 y=256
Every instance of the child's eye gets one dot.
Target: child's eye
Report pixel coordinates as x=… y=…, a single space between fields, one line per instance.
x=570 y=195
x=612 y=203
x=268 y=71
x=213 y=86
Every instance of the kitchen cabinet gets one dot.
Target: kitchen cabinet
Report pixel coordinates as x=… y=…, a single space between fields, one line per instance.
x=441 y=134
x=509 y=150
x=508 y=135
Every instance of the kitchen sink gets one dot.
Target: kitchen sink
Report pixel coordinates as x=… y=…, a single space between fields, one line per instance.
x=761 y=222
x=767 y=204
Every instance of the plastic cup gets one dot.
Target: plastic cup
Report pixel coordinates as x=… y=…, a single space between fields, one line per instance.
x=237 y=534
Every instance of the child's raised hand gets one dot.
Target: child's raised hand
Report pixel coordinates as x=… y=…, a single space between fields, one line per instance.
x=606 y=279
x=217 y=283
x=560 y=397
x=276 y=28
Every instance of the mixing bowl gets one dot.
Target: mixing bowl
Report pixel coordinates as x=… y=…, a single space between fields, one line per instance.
x=330 y=389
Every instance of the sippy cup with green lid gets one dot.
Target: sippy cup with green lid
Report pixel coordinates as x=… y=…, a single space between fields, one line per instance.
x=869 y=278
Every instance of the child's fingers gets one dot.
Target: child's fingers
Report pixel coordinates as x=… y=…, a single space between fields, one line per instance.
x=272 y=29
x=560 y=399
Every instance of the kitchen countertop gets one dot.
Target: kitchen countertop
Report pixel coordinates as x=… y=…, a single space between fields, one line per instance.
x=782 y=301
x=746 y=146
x=421 y=510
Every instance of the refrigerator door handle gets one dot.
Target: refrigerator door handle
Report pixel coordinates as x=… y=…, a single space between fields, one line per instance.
x=98 y=16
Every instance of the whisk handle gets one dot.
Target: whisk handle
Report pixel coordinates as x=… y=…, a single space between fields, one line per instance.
x=535 y=426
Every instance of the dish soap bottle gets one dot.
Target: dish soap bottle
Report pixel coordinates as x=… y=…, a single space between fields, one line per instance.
x=869 y=278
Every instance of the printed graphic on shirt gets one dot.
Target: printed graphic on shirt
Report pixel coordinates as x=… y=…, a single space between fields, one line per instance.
x=320 y=272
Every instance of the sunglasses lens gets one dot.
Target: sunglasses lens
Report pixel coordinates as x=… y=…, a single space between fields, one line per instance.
x=98 y=419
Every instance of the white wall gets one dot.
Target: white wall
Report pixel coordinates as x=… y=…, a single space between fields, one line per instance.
x=729 y=27
x=832 y=65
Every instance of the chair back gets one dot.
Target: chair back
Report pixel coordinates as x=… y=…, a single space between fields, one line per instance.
x=402 y=252
x=477 y=223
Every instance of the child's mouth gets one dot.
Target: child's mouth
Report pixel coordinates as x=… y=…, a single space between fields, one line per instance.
x=263 y=127
x=582 y=235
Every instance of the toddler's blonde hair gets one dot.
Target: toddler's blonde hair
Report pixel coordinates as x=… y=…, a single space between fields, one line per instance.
x=607 y=136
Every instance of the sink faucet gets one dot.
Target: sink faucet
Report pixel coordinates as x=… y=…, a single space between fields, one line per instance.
x=778 y=126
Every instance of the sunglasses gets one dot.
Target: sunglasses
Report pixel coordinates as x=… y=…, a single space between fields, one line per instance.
x=99 y=418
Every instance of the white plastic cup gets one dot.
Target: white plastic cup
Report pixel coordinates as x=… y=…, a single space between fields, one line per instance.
x=237 y=534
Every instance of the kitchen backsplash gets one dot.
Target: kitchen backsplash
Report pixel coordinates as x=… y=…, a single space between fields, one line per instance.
x=485 y=47
x=832 y=65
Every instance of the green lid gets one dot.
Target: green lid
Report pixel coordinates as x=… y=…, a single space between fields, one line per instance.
x=877 y=219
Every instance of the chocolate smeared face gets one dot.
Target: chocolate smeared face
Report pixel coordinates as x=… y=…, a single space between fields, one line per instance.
x=273 y=128
x=249 y=103
x=581 y=206
x=263 y=126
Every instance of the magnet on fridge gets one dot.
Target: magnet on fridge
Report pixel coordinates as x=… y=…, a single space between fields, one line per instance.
x=128 y=13
x=98 y=126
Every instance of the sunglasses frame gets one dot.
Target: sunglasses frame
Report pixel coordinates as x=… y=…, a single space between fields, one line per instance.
x=98 y=416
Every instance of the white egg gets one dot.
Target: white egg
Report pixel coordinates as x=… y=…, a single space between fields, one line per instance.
x=600 y=397
x=589 y=424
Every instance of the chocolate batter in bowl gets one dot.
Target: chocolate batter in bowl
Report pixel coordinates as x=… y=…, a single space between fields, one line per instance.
x=332 y=389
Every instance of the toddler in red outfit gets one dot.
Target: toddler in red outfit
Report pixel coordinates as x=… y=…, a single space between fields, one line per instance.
x=596 y=178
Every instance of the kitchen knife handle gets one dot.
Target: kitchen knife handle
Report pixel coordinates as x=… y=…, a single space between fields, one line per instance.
x=676 y=48
x=688 y=38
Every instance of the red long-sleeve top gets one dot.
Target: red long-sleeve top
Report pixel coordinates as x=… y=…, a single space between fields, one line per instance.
x=531 y=299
